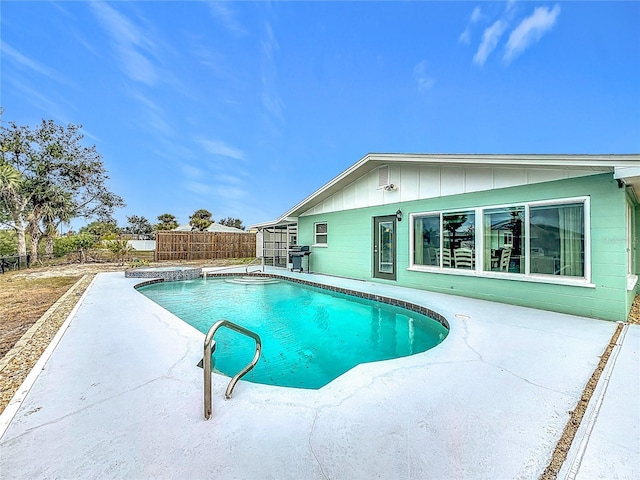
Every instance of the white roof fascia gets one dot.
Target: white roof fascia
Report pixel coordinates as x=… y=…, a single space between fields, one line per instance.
x=626 y=172
x=630 y=176
x=274 y=223
x=514 y=160
x=335 y=181
x=598 y=163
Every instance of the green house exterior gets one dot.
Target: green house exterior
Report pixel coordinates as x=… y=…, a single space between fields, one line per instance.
x=551 y=232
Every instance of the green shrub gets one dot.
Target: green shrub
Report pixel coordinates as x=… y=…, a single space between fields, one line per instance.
x=8 y=245
x=80 y=243
x=120 y=248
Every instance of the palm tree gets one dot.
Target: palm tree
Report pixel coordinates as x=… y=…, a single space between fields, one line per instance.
x=12 y=202
x=166 y=222
x=200 y=220
x=9 y=177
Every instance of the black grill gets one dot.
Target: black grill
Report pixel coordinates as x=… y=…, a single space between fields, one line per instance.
x=296 y=254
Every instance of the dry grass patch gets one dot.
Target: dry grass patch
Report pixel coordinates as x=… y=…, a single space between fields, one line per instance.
x=23 y=300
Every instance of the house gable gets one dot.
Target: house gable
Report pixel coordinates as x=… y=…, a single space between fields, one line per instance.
x=420 y=182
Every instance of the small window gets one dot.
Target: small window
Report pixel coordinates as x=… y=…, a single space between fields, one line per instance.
x=320 y=234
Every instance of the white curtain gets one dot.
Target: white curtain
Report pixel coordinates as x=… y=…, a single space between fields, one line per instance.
x=571 y=233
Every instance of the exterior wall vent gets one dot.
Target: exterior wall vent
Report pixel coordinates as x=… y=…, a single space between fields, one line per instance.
x=383 y=176
x=383 y=179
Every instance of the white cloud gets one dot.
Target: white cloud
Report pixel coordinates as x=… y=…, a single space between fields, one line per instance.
x=476 y=16
x=229 y=179
x=530 y=30
x=191 y=171
x=271 y=100
x=154 y=113
x=27 y=63
x=226 y=16
x=490 y=39
x=199 y=188
x=90 y=135
x=273 y=107
x=130 y=43
x=218 y=147
x=465 y=37
x=37 y=98
x=229 y=192
x=423 y=79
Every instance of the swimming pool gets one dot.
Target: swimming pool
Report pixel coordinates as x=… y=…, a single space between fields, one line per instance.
x=310 y=335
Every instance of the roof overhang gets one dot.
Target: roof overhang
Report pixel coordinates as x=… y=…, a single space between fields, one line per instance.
x=630 y=176
x=598 y=163
x=281 y=222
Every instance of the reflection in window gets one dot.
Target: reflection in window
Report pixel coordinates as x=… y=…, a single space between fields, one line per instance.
x=521 y=239
x=557 y=240
x=386 y=242
x=426 y=232
x=458 y=240
x=504 y=240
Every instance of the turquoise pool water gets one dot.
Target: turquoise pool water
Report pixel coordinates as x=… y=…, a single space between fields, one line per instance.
x=310 y=336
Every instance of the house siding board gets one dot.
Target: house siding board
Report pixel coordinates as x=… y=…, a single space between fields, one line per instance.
x=424 y=182
x=349 y=251
x=410 y=181
x=478 y=179
x=452 y=181
x=507 y=177
x=539 y=175
x=429 y=182
x=349 y=197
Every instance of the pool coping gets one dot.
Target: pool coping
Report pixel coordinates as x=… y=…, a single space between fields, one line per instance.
x=344 y=430
x=414 y=307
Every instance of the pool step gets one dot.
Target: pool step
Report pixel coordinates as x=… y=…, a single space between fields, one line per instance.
x=252 y=280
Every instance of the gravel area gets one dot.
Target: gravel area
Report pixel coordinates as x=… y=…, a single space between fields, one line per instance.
x=634 y=314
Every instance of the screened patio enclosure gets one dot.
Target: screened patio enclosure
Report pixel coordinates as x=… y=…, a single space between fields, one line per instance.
x=274 y=242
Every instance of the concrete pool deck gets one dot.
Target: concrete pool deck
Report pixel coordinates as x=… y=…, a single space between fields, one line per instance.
x=120 y=396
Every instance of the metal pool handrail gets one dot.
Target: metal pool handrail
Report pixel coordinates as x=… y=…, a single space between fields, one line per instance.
x=209 y=348
x=246 y=268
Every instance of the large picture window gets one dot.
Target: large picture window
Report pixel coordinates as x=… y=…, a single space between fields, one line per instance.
x=533 y=239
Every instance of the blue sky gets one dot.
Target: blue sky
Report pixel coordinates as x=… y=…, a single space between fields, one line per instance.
x=245 y=108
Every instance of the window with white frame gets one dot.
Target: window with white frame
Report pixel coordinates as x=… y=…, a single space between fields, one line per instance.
x=426 y=231
x=459 y=240
x=320 y=233
x=536 y=238
x=504 y=239
x=557 y=239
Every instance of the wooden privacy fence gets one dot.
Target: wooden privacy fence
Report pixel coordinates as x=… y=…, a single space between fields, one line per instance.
x=204 y=245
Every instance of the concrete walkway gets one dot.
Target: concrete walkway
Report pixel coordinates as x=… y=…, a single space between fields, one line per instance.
x=121 y=397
